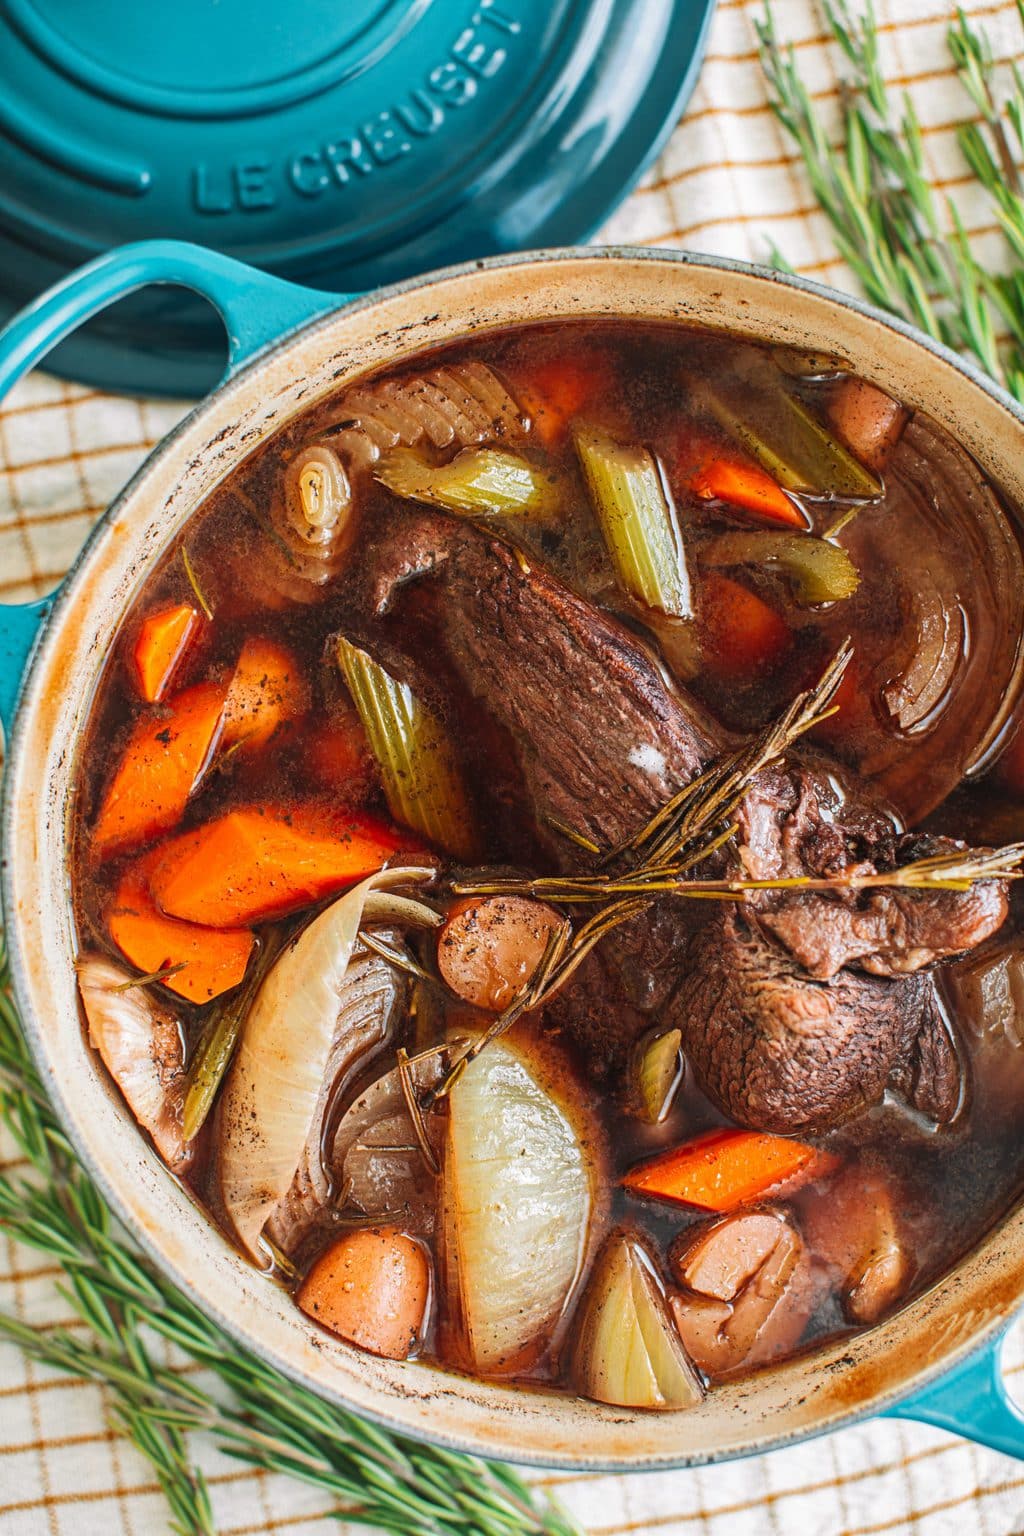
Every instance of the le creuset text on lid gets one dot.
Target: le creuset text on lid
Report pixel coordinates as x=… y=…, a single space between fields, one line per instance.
x=338 y=145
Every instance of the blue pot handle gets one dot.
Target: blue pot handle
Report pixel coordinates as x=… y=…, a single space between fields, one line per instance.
x=971 y=1400
x=256 y=309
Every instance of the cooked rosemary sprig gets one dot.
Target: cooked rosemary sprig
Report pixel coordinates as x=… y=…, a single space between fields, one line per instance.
x=909 y=249
x=376 y=1479
x=956 y=870
x=151 y=978
x=193 y=581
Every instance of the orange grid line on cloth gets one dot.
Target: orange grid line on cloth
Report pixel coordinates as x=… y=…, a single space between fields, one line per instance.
x=728 y=176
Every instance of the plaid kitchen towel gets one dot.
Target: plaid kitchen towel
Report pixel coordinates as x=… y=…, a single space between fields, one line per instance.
x=728 y=183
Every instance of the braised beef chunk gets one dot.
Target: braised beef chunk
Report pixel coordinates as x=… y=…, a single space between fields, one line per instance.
x=799 y=820
x=602 y=739
x=778 y=1051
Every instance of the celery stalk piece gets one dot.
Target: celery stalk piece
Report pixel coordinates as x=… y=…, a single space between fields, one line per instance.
x=817 y=570
x=638 y=521
x=756 y=407
x=481 y=482
x=419 y=769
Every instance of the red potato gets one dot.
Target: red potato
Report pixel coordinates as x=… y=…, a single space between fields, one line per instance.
x=852 y=1228
x=488 y=949
x=869 y=421
x=371 y=1288
x=749 y=1291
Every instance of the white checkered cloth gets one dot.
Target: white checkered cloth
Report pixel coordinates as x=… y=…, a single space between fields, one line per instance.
x=727 y=183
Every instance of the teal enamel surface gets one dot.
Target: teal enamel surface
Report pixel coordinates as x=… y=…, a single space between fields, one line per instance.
x=341 y=146
x=971 y=1400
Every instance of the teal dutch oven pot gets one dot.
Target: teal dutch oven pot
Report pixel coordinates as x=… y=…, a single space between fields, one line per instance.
x=937 y=1359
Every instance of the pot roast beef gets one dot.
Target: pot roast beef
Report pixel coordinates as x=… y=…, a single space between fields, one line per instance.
x=779 y=1051
x=797 y=1010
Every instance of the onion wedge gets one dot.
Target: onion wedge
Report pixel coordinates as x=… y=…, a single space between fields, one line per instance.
x=628 y=1352
x=272 y=1089
x=142 y=1048
x=518 y=1198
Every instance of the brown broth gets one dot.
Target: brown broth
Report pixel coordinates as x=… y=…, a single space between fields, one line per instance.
x=953 y=1184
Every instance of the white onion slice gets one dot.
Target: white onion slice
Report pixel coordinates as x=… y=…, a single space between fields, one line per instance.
x=518 y=1197
x=272 y=1089
x=142 y=1048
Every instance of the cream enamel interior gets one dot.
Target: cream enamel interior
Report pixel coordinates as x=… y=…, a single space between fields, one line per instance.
x=803 y=1396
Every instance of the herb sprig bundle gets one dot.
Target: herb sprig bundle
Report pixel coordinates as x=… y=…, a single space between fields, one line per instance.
x=908 y=247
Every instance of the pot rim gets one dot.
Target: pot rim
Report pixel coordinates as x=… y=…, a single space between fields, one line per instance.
x=991 y=1324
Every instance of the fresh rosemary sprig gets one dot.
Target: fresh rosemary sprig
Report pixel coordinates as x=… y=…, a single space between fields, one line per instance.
x=253 y=1412
x=909 y=249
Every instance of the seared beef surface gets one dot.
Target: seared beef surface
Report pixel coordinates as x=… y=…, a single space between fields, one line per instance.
x=782 y=1033
x=780 y=1052
x=801 y=820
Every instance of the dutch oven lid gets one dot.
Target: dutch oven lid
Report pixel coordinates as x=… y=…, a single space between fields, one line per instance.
x=339 y=143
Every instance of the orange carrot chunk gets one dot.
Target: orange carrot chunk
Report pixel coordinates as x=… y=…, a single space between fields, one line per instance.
x=267 y=691
x=212 y=960
x=251 y=864
x=742 y=633
x=724 y=1169
x=371 y=1287
x=162 y=763
x=719 y=471
x=556 y=391
x=160 y=646
x=748 y=487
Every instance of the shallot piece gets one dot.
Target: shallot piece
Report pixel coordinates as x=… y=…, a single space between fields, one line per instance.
x=375 y=1157
x=627 y=1351
x=748 y=1294
x=987 y=993
x=291 y=1038
x=368 y=1010
x=445 y=408
x=853 y=1229
x=940 y=639
x=142 y=1048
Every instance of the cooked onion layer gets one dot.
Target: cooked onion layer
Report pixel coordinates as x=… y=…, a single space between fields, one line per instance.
x=288 y=1041
x=518 y=1198
x=142 y=1049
